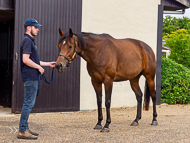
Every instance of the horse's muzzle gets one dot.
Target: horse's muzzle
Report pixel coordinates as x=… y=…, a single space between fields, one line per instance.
x=59 y=67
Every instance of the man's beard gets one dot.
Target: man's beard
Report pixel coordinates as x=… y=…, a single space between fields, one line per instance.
x=31 y=32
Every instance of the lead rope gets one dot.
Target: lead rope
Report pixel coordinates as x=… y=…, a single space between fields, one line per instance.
x=44 y=78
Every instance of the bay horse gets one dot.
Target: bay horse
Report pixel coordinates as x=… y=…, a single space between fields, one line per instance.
x=111 y=60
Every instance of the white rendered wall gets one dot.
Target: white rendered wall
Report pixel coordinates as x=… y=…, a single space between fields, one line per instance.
x=121 y=19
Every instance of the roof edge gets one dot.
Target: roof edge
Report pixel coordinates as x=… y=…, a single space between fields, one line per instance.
x=184 y=2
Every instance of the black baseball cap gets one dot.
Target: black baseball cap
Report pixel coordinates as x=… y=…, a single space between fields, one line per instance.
x=32 y=22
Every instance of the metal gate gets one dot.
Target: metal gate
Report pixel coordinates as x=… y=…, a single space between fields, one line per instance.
x=64 y=93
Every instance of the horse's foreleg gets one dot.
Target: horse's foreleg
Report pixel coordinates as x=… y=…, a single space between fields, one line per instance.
x=98 y=89
x=108 y=90
x=135 y=87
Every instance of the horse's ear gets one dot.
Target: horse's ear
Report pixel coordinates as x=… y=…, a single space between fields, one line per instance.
x=60 y=32
x=70 y=32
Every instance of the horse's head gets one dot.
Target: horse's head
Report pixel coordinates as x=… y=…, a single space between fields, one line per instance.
x=67 y=45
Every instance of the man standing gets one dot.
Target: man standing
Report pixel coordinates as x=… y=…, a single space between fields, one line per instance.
x=30 y=69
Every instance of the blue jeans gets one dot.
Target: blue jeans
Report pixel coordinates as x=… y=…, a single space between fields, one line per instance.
x=30 y=92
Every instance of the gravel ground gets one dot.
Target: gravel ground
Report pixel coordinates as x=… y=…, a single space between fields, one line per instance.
x=173 y=126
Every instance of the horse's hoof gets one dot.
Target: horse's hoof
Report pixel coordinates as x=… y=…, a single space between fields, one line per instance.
x=97 y=127
x=105 y=130
x=154 y=123
x=134 y=123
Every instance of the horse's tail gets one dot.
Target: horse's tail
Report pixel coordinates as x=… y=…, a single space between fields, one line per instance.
x=146 y=97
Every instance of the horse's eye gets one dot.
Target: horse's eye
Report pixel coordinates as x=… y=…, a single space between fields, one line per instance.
x=70 y=47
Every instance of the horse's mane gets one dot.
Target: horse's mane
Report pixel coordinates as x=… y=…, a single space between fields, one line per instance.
x=81 y=41
x=88 y=33
x=100 y=35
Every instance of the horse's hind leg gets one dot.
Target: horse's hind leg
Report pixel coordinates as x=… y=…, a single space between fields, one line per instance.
x=135 y=87
x=98 y=89
x=151 y=86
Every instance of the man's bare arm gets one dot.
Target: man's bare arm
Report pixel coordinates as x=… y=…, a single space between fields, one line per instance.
x=32 y=64
x=51 y=64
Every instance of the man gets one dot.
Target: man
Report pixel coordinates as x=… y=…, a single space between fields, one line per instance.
x=30 y=69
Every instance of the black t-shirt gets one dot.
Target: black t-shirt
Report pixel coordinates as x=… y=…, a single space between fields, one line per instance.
x=28 y=46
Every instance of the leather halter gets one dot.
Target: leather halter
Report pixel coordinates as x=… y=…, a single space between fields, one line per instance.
x=75 y=54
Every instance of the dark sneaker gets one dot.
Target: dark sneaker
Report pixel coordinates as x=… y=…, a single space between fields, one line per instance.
x=33 y=133
x=26 y=135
